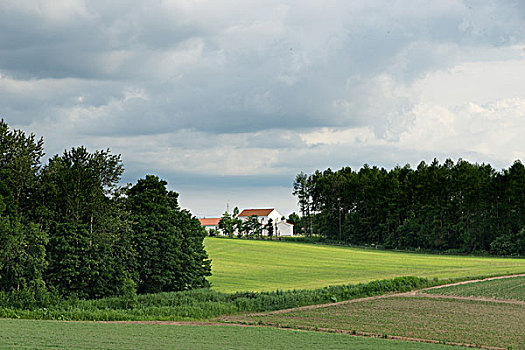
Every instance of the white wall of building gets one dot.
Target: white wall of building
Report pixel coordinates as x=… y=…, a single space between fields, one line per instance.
x=284 y=229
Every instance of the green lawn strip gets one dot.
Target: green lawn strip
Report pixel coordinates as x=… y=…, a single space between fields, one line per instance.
x=254 y=265
x=450 y=320
x=24 y=334
x=508 y=288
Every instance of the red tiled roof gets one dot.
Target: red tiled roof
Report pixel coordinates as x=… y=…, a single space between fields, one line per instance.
x=258 y=212
x=210 y=221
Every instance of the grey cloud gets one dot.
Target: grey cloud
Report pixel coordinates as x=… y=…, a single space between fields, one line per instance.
x=355 y=156
x=193 y=76
x=208 y=68
x=189 y=180
x=77 y=45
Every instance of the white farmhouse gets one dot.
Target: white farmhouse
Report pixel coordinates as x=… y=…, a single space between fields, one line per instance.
x=281 y=227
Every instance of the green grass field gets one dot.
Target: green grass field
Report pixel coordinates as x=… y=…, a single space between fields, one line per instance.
x=508 y=288
x=266 y=266
x=251 y=265
x=450 y=320
x=23 y=334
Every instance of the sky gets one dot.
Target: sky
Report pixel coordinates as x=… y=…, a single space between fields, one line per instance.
x=229 y=100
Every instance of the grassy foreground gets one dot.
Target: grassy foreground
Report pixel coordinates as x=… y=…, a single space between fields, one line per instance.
x=23 y=334
x=249 y=265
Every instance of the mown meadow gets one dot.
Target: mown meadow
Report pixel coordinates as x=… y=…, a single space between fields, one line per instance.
x=252 y=265
x=89 y=335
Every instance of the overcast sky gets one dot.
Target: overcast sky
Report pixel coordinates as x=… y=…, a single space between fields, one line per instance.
x=229 y=100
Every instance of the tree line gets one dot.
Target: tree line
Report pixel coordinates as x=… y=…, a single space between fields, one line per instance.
x=456 y=207
x=68 y=228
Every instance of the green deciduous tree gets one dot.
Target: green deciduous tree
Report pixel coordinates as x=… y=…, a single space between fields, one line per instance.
x=169 y=240
x=22 y=242
x=68 y=226
x=269 y=227
x=252 y=226
x=22 y=255
x=302 y=189
x=230 y=223
x=20 y=156
x=89 y=249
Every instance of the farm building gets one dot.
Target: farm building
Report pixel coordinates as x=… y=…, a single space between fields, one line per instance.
x=282 y=228
x=210 y=223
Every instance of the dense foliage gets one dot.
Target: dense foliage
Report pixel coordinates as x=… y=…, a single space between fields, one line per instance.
x=230 y=223
x=169 y=241
x=68 y=229
x=461 y=207
x=22 y=242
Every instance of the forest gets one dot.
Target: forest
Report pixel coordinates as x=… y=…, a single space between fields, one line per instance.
x=68 y=229
x=450 y=207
